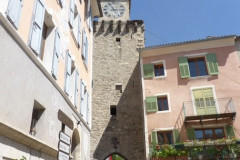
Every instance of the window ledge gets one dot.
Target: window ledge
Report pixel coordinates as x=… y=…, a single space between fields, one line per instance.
x=168 y=111
x=160 y=77
x=201 y=77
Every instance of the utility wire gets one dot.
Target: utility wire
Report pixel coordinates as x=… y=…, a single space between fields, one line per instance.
x=156 y=36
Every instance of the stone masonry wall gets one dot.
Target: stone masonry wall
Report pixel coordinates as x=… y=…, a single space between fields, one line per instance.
x=114 y=63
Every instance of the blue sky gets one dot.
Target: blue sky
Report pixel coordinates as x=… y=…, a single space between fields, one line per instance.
x=168 y=21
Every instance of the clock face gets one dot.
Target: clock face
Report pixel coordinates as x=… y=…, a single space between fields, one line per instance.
x=113 y=9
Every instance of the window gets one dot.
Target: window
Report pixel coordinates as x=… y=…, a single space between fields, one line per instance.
x=56 y=53
x=41 y=29
x=118 y=39
x=36 y=114
x=75 y=22
x=165 y=137
x=37 y=26
x=44 y=37
x=85 y=48
x=14 y=11
x=209 y=133
x=198 y=66
x=204 y=101
x=84 y=102
x=69 y=80
x=76 y=93
x=113 y=110
x=157 y=69
x=162 y=103
x=118 y=87
x=157 y=103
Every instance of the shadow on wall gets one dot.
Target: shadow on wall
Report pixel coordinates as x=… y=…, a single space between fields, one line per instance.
x=124 y=133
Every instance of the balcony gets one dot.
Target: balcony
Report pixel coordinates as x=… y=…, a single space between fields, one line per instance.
x=209 y=109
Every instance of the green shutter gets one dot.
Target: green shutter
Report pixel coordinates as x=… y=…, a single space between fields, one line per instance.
x=212 y=63
x=154 y=139
x=148 y=70
x=191 y=133
x=229 y=131
x=176 y=135
x=151 y=104
x=183 y=67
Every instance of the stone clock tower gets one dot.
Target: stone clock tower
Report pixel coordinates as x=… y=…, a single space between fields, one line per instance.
x=117 y=107
x=115 y=9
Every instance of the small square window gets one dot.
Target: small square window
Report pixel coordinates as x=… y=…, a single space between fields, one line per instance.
x=118 y=39
x=162 y=103
x=159 y=70
x=113 y=110
x=118 y=87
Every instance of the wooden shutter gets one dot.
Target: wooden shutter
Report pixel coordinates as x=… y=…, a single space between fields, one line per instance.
x=82 y=97
x=176 y=135
x=87 y=108
x=148 y=70
x=83 y=44
x=71 y=14
x=68 y=73
x=212 y=64
x=183 y=67
x=56 y=54
x=76 y=96
x=86 y=51
x=37 y=26
x=151 y=104
x=79 y=31
x=90 y=18
x=191 y=133
x=229 y=131
x=154 y=139
x=13 y=11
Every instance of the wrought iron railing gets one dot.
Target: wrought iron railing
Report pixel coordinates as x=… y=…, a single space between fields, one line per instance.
x=204 y=107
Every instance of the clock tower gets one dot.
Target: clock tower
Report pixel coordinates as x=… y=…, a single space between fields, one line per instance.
x=117 y=107
x=115 y=9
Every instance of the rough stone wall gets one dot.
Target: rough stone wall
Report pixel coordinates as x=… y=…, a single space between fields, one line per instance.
x=117 y=63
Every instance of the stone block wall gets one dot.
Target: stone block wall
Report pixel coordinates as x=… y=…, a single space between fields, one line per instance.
x=116 y=62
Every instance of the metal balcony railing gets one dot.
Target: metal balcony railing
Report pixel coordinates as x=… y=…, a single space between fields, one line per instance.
x=209 y=108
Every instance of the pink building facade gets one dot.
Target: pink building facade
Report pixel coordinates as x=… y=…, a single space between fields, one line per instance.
x=191 y=90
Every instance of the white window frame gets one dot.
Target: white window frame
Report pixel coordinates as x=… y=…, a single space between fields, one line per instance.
x=168 y=99
x=214 y=96
x=165 y=70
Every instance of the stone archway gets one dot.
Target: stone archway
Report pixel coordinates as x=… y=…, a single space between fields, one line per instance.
x=75 y=150
x=115 y=156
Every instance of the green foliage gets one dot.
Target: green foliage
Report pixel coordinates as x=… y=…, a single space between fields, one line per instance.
x=207 y=147
x=166 y=151
x=117 y=157
x=23 y=158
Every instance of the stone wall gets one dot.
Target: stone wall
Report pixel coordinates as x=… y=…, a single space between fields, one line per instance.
x=116 y=62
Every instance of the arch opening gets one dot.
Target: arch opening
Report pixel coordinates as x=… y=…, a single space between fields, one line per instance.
x=75 y=149
x=115 y=156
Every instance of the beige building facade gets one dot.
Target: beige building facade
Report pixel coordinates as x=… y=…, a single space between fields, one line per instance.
x=46 y=57
x=191 y=90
